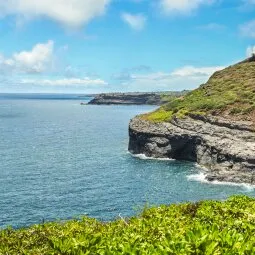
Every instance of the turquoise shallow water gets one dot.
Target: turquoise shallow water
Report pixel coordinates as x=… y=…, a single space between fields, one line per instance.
x=60 y=160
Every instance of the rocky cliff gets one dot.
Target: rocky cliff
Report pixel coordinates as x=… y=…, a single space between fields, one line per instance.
x=228 y=153
x=220 y=139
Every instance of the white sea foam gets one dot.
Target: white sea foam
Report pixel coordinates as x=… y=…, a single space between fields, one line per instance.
x=201 y=177
x=144 y=157
x=203 y=168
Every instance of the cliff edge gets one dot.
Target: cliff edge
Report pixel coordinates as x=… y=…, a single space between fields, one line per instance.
x=212 y=125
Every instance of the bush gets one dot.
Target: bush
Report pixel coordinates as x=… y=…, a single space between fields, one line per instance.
x=208 y=227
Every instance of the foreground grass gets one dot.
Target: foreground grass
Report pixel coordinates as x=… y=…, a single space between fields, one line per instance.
x=228 y=93
x=209 y=227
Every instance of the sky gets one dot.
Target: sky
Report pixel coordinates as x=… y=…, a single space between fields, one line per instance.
x=93 y=46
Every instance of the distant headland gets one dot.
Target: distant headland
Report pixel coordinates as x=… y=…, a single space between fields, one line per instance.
x=136 y=98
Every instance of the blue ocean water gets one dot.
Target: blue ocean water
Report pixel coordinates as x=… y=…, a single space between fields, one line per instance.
x=60 y=160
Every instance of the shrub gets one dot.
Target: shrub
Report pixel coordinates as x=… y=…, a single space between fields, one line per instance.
x=208 y=227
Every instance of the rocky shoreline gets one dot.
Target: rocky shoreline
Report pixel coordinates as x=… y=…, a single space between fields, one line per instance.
x=224 y=148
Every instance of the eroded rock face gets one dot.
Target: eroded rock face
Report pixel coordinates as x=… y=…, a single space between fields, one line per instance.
x=227 y=150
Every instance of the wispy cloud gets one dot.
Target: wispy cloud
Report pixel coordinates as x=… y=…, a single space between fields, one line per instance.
x=187 y=77
x=84 y=82
x=135 y=21
x=248 y=29
x=248 y=2
x=212 y=27
x=182 y=6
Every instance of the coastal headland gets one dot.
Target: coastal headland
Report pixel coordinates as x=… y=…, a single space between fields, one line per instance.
x=212 y=125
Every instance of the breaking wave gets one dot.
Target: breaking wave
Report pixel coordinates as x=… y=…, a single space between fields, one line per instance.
x=201 y=177
x=144 y=157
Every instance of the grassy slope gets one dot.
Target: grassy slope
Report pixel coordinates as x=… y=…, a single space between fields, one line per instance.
x=208 y=227
x=169 y=96
x=229 y=93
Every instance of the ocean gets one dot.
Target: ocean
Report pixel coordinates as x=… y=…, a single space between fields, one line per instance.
x=61 y=160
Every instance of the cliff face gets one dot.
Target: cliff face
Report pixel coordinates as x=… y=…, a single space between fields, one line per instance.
x=225 y=149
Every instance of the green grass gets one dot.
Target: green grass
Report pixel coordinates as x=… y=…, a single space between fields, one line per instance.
x=169 y=96
x=229 y=93
x=159 y=115
x=208 y=227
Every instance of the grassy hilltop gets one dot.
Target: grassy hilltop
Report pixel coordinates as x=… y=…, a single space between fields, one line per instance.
x=229 y=93
x=206 y=228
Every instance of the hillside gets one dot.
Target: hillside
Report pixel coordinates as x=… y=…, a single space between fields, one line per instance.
x=229 y=93
x=207 y=227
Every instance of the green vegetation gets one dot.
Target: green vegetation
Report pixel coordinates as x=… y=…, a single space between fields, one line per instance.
x=229 y=93
x=169 y=96
x=208 y=227
x=159 y=115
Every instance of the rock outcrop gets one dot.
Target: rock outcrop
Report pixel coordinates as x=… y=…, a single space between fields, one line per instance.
x=226 y=149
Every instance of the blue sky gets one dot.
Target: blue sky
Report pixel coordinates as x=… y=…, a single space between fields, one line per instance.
x=91 y=46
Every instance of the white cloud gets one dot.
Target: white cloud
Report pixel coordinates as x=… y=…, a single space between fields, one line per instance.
x=73 y=13
x=187 y=77
x=182 y=6
x=35 y=61
x=136 y=21
x=196 y=71
x=248 y=29
x=250 y=51
x=24 y=67
x=85 y=82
